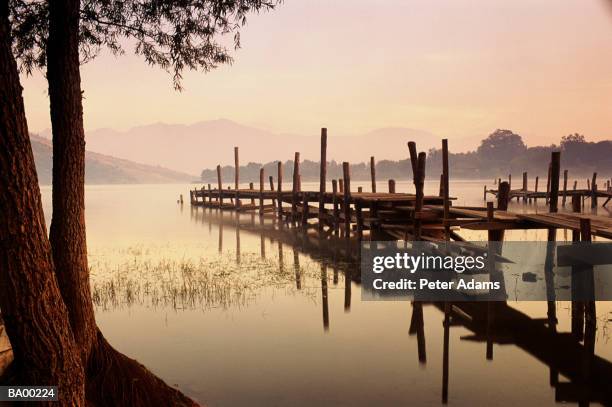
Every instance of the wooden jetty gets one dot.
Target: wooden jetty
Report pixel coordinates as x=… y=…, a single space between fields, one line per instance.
x=591 y=192
x=388 y=215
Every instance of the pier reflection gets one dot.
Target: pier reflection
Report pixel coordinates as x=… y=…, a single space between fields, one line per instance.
x=577 y=374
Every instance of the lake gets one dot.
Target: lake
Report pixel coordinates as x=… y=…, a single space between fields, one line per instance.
x=235 y=316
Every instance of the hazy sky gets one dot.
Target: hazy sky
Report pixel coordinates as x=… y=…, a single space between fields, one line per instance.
x=453 y=67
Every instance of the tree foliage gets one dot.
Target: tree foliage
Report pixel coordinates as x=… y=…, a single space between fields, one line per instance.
x=581 y=157
x=501 y=143
x=172 y=34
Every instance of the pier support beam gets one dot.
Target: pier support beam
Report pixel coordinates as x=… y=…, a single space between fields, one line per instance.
x=346 y=174
x=322 y=177
x=236 y=177
x=220 y=187
x=296 y=187
x=373 y=173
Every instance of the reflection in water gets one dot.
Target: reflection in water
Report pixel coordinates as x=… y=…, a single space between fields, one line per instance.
x=490 y=322
x=245 y=329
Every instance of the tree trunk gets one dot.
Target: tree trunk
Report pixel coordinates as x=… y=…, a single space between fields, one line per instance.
x=35 y=316
x=112 y=378
x=68 y=240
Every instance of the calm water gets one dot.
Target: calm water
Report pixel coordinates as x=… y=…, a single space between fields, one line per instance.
x=234 y=316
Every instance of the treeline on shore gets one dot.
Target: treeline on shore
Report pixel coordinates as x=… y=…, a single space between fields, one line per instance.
x=503 y=152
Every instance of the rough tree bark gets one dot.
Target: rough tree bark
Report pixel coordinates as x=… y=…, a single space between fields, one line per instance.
x=35 y=316
x=67 y=236
x=111 y=377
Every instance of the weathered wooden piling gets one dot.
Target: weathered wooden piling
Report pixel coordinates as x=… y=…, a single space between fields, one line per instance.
x=296 y=187
x=236 y=177
x=555 y=166
x=391 y=186
x=305 y=208
x=220 y=186
x=373 y=173
x=594 y=191
x=261 y=191
x=272 y=189
x=445 y=186
x=419 y=183
x=341 y=185
x=525 y=189
x=279 y=190
x=503 y=197
x=252 y=188
x=359 y=220
x=335 y=209
x=346 y=173
x=564 y=188
x=322 y=177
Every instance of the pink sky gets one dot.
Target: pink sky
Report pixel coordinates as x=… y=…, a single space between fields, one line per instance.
x=455 y=68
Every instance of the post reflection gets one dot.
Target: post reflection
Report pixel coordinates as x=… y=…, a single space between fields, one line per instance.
x=577 y=373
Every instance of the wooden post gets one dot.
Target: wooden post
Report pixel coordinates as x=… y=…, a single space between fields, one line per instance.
x=594 y=191
x=209 y=195
x=413 y=157
x=220 y=186
x=548 y=183
x=391 y=186
x=484 y=193
x=272 y=189
x=441 y=187
x=359 y=189
x=510 y=181
x=419 y=183
x=525 y=187
x=490 y=212
x=555 y=166
x=305 y=209
x=445 y=177
x=261 y=191
x=359 y=217
x=373 y=173
x=341 y=185
x=296 y=186
x=535 y=198
x=346 y=173
x=322 y=177
x=279 y=190
x=252 y=188
x=336 y=212
x=236 y=176
x=564 y=188
x=503 y=196
x=576 y=207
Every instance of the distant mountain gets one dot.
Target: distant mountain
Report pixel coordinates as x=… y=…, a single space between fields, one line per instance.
x=103 y=169
x=205 y=144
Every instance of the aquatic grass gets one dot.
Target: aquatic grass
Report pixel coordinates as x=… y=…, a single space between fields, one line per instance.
x=139 y=276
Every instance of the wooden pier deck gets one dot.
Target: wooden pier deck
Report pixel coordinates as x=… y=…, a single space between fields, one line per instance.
x=411 y=216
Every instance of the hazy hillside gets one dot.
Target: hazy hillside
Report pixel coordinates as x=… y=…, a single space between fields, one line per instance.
x=103 y=169
x=205 y=144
